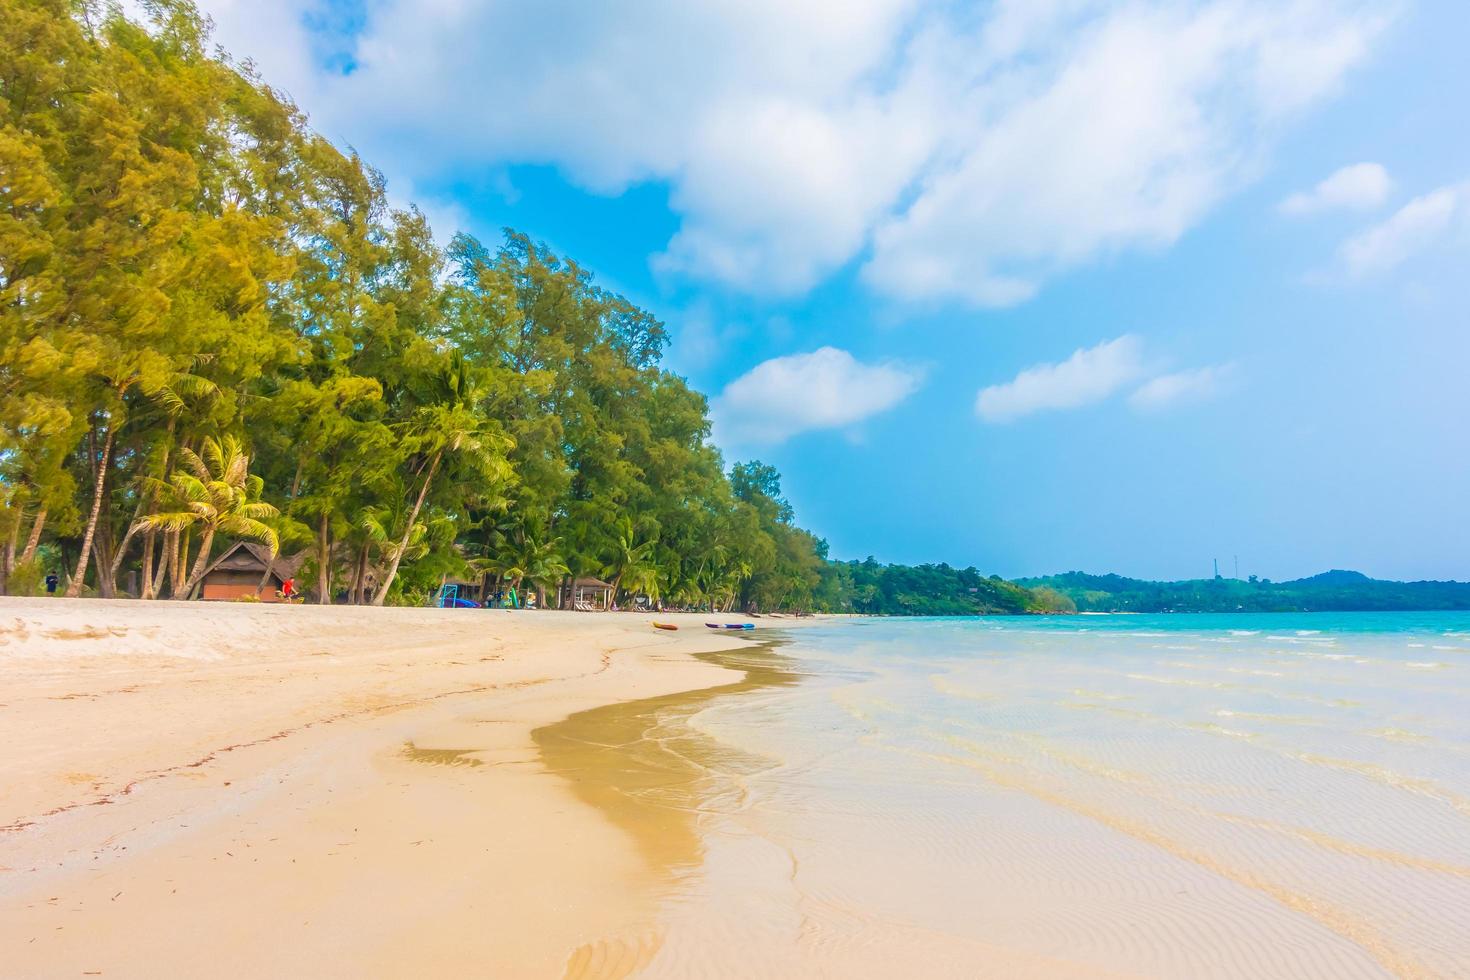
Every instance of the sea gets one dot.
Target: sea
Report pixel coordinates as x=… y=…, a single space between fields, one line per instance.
x=1176 y=795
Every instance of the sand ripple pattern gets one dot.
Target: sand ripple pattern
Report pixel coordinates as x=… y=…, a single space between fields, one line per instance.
x=1125 y=796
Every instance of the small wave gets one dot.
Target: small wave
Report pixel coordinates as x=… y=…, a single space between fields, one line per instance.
x=1425 y=665
x=1214 y=729
x=1387 y=777
x=1266 y=717
x=1179 y=681
x=1399 y=735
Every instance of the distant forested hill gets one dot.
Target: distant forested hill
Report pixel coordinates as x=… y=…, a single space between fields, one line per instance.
x=1334 y=591
x=927 y=590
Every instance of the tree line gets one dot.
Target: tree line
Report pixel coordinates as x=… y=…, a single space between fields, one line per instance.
x=214 y=326
x=1334 y=591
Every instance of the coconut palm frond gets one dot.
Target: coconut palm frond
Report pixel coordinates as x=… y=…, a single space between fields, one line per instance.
x=257 y=510
x=213 y=455
x=187 y=487
x=172 y=403
x=195 y=464
x=168 y=521
x=193 y=384
x=252 y=530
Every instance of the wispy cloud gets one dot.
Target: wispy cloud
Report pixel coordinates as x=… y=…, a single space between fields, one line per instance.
x=1088 y=376
x=1425 y=222
x=1359 y=187
x=826 y=389
x=1094 y=375
x=1180 y=387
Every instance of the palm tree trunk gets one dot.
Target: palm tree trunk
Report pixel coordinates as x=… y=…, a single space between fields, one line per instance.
x=160 y=573
x=168 y=548
x=34 y=540
x=145 y=589
x=75 y=588
x=407 y=532
x=181 y=561
x=165 y=556
x=144 y=502
x=324 y=560
x=359 y=575
x=200 y=562
x=265 y=576
x=105 y=583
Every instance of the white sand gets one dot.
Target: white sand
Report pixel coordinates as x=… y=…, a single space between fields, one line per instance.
x=231 y=789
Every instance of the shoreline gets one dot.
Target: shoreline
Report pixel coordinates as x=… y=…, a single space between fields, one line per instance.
x=334 y=790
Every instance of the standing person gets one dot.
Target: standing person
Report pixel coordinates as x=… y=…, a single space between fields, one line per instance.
x=52 y=581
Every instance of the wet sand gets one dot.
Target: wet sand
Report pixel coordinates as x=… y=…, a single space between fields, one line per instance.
x=1146 y=798
x=193 y=789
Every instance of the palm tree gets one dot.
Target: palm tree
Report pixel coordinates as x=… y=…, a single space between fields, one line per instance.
x=376 y=538
x=215 y=493
x=522 y=559
x=171 y=399
x=644 y=579
x=446 y=422
x=630 y=561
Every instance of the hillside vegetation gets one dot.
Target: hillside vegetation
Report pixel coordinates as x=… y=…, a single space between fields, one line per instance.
x=1334 y=591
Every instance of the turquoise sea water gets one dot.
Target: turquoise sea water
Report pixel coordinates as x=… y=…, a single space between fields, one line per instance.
x=1182 y=795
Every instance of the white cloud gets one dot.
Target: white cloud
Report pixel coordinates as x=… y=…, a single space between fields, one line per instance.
x=970 y=154
x=1424 y=222
x=1086 y=377
x=826 y=389
x=1124 y=138
x=1093 y=375
x=1180 y=387
x=1359 y=187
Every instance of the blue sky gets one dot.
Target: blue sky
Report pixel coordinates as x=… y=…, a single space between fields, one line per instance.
x=1035 y=285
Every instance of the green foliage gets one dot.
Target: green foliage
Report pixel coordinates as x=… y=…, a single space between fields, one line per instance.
x=1335 y=591
x=926 y=590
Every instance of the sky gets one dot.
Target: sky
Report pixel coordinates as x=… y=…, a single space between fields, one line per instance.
x=1029 y=285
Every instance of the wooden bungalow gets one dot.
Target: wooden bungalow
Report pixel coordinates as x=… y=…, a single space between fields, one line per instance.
x=240 y=570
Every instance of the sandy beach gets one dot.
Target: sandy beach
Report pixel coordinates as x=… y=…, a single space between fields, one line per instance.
x=242 y=790
x=233 y=789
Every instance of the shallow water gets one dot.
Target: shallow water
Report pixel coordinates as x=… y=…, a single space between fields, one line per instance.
x=1164 y=796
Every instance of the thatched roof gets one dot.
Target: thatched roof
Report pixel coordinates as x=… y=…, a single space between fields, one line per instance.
x=247 y=556
x=591 y=583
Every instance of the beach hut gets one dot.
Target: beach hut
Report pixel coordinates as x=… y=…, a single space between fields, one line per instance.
x=238 y=572
x=591 y=595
